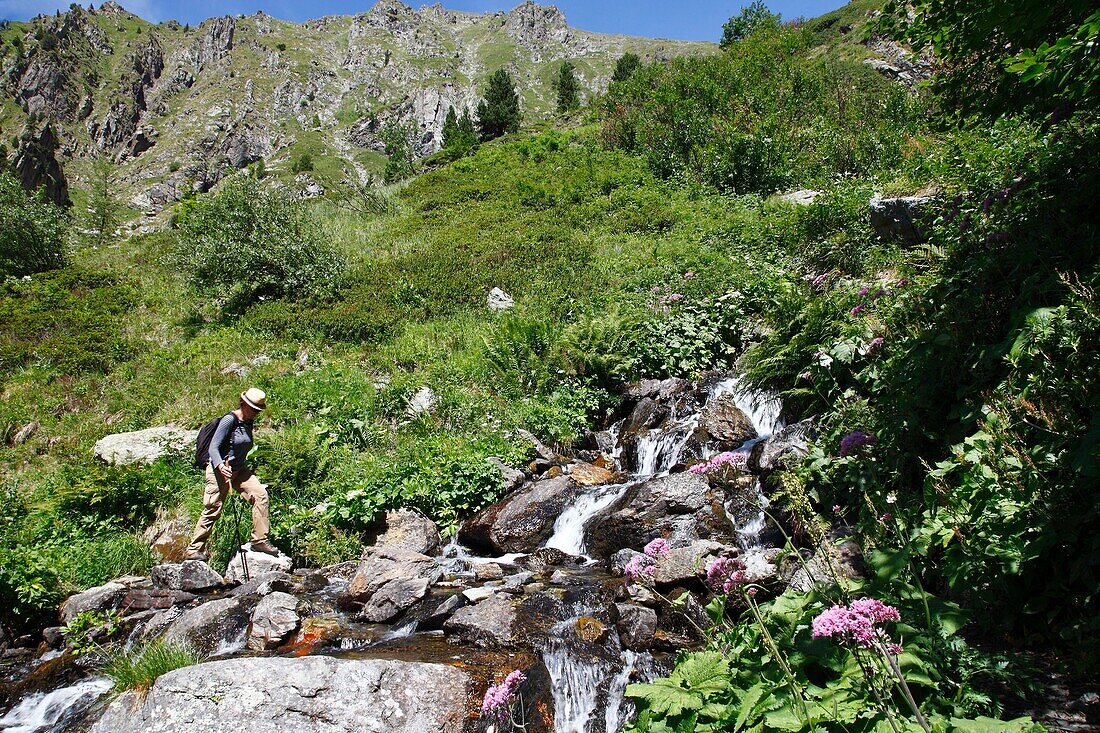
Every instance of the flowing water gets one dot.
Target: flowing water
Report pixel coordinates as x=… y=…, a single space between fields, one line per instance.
x=44 y=712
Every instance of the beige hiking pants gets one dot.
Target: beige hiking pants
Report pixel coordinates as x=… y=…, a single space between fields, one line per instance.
x=214 y=495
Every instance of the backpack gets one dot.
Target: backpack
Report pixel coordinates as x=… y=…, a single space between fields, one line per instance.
x=206 y=434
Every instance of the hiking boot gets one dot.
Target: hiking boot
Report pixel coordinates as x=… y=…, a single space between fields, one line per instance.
x=200 y=556
x=265 y=547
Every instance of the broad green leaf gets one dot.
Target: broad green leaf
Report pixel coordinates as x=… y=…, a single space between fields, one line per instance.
x=665 y=696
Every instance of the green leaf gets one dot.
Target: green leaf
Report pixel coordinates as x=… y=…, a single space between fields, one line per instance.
x=703 y=672
x=665 y=696
x=748 y=705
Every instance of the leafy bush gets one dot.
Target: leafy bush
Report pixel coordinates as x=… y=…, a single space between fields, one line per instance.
x=121 y=496
x=33 y=231
x=688 y=335
x=80 y=633
x=139 y=668
x=254 y=242
x=67 y=321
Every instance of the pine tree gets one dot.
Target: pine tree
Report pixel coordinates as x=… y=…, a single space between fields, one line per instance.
x=569 y=89
x=450 y=129
x=499 y=112
x=467 y=132
x=397 y=139
x=625 y=67
x=102 y=216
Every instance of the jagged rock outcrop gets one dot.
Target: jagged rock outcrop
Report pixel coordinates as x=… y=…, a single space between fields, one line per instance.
x=36 y=165
x=214 y=43
x=522 y=521
x=307 y=695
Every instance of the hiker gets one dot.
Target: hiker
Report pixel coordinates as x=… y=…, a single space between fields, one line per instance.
x=226 y=466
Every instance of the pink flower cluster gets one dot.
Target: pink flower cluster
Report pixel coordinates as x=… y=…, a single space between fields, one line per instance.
x=855 y=440
x=657 y=548
x=736 y=461
x=497 y=702
x=725 y=574
x=639 y=567
x=857 y=622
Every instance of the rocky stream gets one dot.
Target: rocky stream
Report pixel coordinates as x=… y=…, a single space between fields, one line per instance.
x=408 y=637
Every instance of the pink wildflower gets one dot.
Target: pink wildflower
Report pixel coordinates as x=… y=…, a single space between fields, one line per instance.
x=858 y=309
x=689 y=275
x=886 y=517
x=675 y=297
x=837 y=509
x=639 y=567
x=864 y=290
x=876 y=342
x=698 y=468
x=894 y=649
x=657 y=548
x=854 y=441
x=805 y=376
x=725 y=574
x=752 y=591
x=880 y=294
x=820 y=279
x=855 y=623
x=902 y=282
x=498 y=698
x=875 y=609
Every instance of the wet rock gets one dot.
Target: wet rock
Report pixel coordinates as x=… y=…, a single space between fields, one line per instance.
x=106 y=597
x=590 y=630
x=209 y=626
x=168 y=536
x=898 y=219
x=636 y=625
x=588 y=474
x=520 y=522
x=274 y=619
x=783 y=448
x=313 y=581
x=644 y=388
x=486 y=624
x=681 y=508
x=139 y=599
x=518 y=580
x=434 y=619
x=393 y=598
x=410 y=530
x=51 y=635
x=725 y=423
x=478 y=593
x=316 y=630
x=144 y=446
x=344 y=571
x=645 y=415
x=499 y=300
x=258 y=563
x=188 y=575
x=265 y=583
x=312 y=694
x=488 y=571
x=616 y=564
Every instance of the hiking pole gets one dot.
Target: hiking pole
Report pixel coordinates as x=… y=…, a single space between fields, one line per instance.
x=237 y=531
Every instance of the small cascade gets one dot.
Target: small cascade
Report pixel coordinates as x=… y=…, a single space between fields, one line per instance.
x=615 y=716
x=568 y=533
x=44 y=712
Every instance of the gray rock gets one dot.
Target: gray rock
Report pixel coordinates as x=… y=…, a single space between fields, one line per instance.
x=259 y=563
x=274 y=619
x=837 y=558
x=478 y=594
x=423 y=402
x=408 y=529
x=213 y=624
x=488 y=571
x=899 y=219
x=783 y=448
x=106 y=597
x=688 y=563
x=637 y=625
x=435 y=619
x=513 y=479
x=522 y=521
x=190 y=575
x=499 y=300
x=488 y=624
x=760 y=563
x=726 y=423
x=168 y=536
x=382 y=565
x=262 y=585
x=312 y=694
x=644 y=388
x=802 y=197
x=681 y=507
x=144 y=446
x=393 y=598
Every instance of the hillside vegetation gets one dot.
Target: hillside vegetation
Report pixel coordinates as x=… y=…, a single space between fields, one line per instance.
x=952 y=380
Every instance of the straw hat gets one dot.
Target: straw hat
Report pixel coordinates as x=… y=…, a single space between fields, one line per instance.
x=254 y=398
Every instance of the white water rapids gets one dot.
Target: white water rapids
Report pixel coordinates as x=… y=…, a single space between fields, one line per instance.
x=41 y=711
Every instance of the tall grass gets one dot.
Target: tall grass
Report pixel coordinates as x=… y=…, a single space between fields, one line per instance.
x=139 y=668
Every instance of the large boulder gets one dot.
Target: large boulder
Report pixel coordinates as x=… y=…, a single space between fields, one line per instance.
x=637 y=625
x=489 y=623
x=393 y=598
x=144 y=446
x=688 y=563
x=189 y=575
x=213 y=625
x=725 y=423
x=682 y=508
x=258 y=563
x=313 y=694
x=900 y=219
x=783 y=448
x=275 y=618
x=106 y=597
x=390 y=579
x=520 y=522
x=408 y=529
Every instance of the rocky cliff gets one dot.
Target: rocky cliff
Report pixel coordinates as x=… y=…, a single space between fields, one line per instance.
x=177 y=107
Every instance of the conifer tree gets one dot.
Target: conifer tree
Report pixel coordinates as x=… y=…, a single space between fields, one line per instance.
x=450 y=129
x=625 y=67
x=498 y=113
x=569 y=89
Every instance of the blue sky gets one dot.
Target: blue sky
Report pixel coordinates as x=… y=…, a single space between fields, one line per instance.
x=688 y=19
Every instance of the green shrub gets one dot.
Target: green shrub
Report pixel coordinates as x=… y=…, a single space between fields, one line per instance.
x=80 y=633
x=33 y=231
x=254 y=242
x=139 y=668
x=304 y=162
x=122 y=496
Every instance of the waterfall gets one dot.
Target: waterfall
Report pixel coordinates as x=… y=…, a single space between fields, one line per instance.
x=568 y=534
x=581 y=683
x=43 y=711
